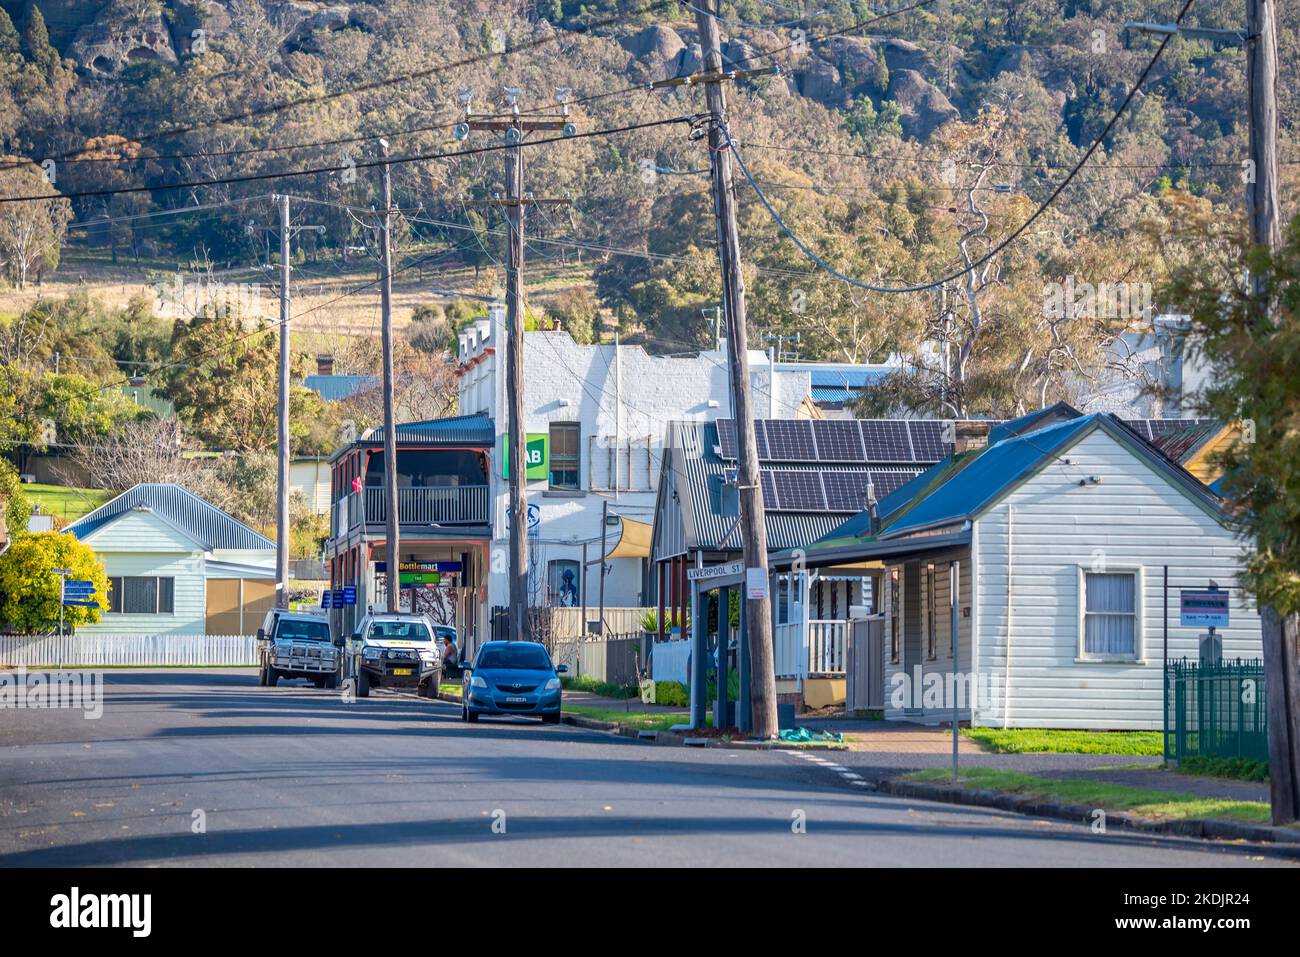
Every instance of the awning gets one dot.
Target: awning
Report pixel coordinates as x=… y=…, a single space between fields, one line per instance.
x=633 y=541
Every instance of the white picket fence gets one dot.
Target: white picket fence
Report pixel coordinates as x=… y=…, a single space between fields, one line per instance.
x=52 y=651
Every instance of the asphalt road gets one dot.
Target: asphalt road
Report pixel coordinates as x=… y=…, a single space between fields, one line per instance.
x=296 y=776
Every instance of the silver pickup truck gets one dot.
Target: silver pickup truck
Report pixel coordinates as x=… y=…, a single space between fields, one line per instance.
x=296 y=644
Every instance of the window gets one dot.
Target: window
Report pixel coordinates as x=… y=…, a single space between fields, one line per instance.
x=930 y=639
x=1110 y=624
x=563 y=583
x=564 y=455
x=893 y=615
x=141 y=596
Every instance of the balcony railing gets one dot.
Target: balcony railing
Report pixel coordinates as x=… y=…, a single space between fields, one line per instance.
x=818 y=652
x=437 y=505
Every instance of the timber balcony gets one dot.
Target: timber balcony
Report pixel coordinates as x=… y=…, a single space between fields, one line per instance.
x=440 y=505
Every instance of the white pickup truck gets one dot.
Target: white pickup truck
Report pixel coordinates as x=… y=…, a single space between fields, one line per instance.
x=296 y=644
x=395 y=650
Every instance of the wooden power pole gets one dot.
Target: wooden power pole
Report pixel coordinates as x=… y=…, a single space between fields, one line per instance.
x=1281 y=634
x=282 y=432
x=758 y=616
x=515 y=127
x=392 y=519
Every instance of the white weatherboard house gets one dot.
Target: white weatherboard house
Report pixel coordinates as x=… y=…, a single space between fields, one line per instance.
x=177 y=565
x=1062 y=533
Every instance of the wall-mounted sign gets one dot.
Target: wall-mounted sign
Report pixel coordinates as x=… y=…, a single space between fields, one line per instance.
x=421 y=574
x=1203 y=608
x=538 y=451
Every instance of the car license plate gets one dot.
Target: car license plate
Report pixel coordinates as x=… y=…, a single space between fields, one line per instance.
x=516 y=699
x=401 y=671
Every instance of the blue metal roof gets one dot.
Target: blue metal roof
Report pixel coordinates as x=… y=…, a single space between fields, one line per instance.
x=332 y=388
x=985 y=477
x=849 y=378
x=195 y=517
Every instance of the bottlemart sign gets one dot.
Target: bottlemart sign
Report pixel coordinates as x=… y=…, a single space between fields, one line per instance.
x=537 y=451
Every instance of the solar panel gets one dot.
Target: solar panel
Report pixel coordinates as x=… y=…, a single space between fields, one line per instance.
x=727 y=438
x=927 y=440
x=769 y=490
x=889 y=482
x=790 y=440
x=838 y=440
x=799 y=491
x=886 y=441
x=1140 y=426
x=846 y=491
x=1161 y=427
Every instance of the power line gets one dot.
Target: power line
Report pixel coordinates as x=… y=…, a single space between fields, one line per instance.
x=290 y=174
x=1001 y=244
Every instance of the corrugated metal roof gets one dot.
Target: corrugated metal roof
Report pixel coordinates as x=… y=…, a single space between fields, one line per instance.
x=455 y=430
x=197 y=518
x=1181 y=445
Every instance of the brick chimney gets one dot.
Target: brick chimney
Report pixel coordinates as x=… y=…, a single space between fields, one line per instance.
x=969 y=434
x=324 y=364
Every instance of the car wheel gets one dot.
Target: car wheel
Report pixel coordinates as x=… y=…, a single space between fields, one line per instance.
x=363 y=684
x=435 y=682
x=550 y=719
x=471 y=716
x=332 y=681
x=261 y=676
x=272 y=677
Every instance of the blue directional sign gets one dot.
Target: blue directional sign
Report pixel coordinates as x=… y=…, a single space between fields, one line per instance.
x=327 y=599
x=79 y=593
x=349 y=594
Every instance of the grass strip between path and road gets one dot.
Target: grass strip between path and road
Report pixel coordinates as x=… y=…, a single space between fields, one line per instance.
x=1051 y=741
x=1156 y=805
x=641 y=720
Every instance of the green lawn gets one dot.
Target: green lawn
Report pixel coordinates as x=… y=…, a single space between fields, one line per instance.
x=1043 y=741
x=641 y=720
x=66 y=502
x=1146 y=802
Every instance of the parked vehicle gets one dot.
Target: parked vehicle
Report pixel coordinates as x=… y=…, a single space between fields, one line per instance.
x=512 y=677
x=296 y=644
x=394 y=650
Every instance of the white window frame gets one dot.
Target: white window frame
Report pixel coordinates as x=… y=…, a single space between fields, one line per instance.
x=1139 y=614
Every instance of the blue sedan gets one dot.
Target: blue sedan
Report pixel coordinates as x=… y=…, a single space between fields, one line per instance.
x=512 y=677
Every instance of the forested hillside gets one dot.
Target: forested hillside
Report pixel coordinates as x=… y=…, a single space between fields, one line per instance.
x=900 y=142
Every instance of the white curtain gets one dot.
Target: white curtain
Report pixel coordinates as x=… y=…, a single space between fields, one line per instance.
x=1110 y=613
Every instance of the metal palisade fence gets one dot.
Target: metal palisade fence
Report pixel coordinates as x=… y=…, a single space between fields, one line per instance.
x=54 y=651
x=1216 y=710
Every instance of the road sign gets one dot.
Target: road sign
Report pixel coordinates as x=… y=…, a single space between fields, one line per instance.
x=81 y=604
x=327 y=599
x=349 y=594
x=755 y=583
x=708 y=572
x=1203 y=608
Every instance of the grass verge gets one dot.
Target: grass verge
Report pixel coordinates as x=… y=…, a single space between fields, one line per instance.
x=641 y=720
x=1235 y=769
x=1048 y=741
x=606 y=689
x=1146 y=802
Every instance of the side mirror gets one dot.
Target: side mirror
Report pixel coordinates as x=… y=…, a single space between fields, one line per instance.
x=261 y=634
x=561 y=669
x=356 y=636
